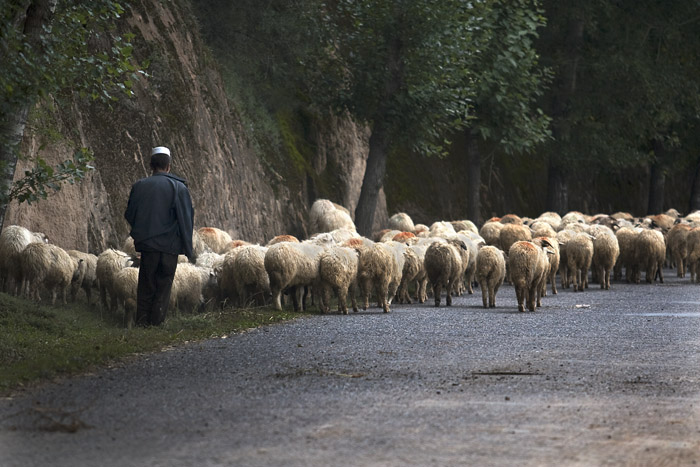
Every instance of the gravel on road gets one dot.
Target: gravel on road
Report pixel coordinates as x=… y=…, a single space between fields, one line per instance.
x=591 y=378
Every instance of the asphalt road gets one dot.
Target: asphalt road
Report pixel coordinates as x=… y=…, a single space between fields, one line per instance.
x=592 y=378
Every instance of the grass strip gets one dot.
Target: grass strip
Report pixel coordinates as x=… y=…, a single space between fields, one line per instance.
x=40 y=342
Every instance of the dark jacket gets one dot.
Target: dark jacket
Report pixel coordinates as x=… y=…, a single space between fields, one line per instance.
x=161 y=215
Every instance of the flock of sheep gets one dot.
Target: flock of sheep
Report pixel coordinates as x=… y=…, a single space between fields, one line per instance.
x=395 y=266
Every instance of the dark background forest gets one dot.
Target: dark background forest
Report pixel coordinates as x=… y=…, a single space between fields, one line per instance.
x=456 y=109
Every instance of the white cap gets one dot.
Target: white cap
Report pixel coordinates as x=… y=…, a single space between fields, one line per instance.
x=160 y=150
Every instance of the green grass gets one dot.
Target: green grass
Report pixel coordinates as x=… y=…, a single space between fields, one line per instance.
x=41 y=342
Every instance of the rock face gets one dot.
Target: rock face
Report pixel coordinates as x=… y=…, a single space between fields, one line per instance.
x=180 y=104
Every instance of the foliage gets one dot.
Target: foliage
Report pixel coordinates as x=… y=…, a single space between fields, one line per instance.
x=40 y=342
x=43 y=179
x=78 y=52
x=509 y=79
x=404 y=65
x=635 y=81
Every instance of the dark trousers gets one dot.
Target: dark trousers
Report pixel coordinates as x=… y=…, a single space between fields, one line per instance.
x=156 y=274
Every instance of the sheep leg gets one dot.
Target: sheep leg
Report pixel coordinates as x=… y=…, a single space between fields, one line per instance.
x=277 y=298
x=449 y=289
x=520 y=295
x=343 y=299
x=437 y=291
x=485 y=294
x=661 y=273
x=492 y=295
x=532 y=297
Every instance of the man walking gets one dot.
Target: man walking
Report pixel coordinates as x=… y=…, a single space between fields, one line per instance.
x=161 y=217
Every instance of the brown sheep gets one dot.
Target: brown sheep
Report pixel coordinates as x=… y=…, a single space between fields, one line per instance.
x=527 y=264
x=490 y=273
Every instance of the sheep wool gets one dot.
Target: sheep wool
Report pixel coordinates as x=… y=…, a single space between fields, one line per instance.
x=490 y=273
x=337 y=271
x=48 y=266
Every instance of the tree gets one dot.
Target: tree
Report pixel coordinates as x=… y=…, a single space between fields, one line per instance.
x=62 y=49
x=403 y=69
x=625 y=89
x=508 y=85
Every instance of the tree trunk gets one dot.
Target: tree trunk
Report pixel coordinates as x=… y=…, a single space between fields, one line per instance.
x=12 y=123
x=473 y=178
x=372 y=182
x=657 y=181
x=695 y=191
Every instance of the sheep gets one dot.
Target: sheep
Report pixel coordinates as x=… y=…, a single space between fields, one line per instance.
x=441 y=229
x=421 y=230
x=48 y=265
x=527 y=264
x=335 y=237
x=554 y=258
x=541 y=228
x=199 y=246
x=405 y=237
x=421 y=277
x=511 y=233
x=282 y=238
x=129 y=248
x=215 y=239
x=125 y=286
x=233 y=245
x=677 y=246
x=579 y=255
x=388 y=236
x=108 y=263
x=412 y=268
x=651 y=253
x=186 y=293
x=491 y=232
x=13 y=240
x=511 y=219
x=291 y=265
x=563 y=237
x=401 y=221
x=337 y=271
x=490 y=273
x=88 y=280
x=626 y=240
x=209 y=260
x=662 y=221
x=470 y=267
x=375 y=270
x=693 y=257
x=444 y=264
x=326 y=216
x=464 y=225
x=606 y=250
x=551 y=218
x=249 y=274
x=397 y=251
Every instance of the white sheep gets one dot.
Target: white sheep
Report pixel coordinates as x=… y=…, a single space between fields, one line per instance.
x=677 y=246
x=291 y=266
x=375 y=270
x=401 y=222
x=188 y=283
x=337 y=271
x=13 y=240
x=249 y=275
x=49 y=266
x=490 y=273
x=579 y=255
x=216 y=239
x=650 y=249
x=527 y=265
x=626 y=240
x=693 y=257
x=445 y=265
x=554 y=258
x=108 y=263
x=326 y=216
x=413 y=268
x=124 y=286
x=491 y=232
x=606 y=251
x=421 y=278
x=88 y=280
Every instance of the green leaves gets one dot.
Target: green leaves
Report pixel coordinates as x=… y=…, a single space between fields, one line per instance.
x=44 y=179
